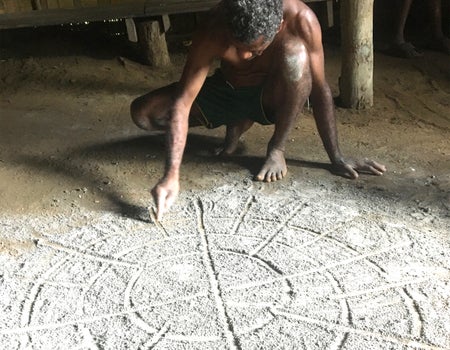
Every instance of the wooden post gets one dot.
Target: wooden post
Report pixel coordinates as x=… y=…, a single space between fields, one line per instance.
x=152 y=40
x=356 y=81
x=11 y=6
x=36 y=5
x=330 y=14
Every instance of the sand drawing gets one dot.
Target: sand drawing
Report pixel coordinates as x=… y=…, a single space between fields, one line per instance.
x=232 y=270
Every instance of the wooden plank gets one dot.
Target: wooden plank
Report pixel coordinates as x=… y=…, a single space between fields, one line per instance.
x=64 y=4
x=118 y=2
x=63 y=11
x=65 y=15
x=158 y=7
x=52 y=4
x=89 y=3
x=11 y=6
x=25 y=5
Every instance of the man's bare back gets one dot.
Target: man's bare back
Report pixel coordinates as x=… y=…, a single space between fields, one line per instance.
x=271 y=61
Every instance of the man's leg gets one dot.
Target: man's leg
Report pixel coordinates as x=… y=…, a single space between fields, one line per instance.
x=286 y=91
x=233 y=133
x=151 y=111
x=399 y=47
x=399 y=30
x=438 y=41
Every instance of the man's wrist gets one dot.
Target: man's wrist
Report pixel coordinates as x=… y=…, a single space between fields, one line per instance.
x=172 y=175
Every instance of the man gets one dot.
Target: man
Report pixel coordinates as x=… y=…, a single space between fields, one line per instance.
x=271 y=61
x=437 y=41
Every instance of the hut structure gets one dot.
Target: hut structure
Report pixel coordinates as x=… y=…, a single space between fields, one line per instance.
x=356 y=83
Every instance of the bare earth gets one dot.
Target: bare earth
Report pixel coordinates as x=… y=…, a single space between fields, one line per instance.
x=314 y=261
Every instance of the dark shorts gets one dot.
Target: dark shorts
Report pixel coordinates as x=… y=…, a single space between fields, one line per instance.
x=221 y=104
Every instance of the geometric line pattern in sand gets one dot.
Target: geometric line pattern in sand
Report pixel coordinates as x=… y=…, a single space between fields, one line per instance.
x=234 y=271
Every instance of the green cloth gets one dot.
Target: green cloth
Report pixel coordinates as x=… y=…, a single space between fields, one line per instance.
x=221 y=104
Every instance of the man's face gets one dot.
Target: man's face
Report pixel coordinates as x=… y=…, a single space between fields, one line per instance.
x=249 y=51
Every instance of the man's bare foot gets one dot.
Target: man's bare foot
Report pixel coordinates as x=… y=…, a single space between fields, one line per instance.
x=402 y=50
x=274 y=168
x=228 y=149
x=440 y=44
x=232 y=137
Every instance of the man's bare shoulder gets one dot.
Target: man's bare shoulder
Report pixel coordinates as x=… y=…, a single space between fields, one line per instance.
x=301 y=21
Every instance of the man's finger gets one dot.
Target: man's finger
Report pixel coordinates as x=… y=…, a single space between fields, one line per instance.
x=160 y=205
x=379 y=167
x=352 y=173
x=376 y=165
x=169 y=201
x=159 y=214
x=376 y=171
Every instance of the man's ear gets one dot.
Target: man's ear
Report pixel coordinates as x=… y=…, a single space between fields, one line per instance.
x=281 y=25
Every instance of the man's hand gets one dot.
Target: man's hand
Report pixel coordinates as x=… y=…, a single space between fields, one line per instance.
x=164 y=195
x=350 y=168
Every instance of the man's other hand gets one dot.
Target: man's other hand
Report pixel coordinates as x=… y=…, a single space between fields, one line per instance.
x=350 y=168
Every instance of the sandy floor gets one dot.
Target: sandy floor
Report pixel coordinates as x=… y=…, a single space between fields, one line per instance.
x=314 y=261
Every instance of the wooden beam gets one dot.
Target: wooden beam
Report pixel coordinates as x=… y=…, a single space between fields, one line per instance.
x=47 y=17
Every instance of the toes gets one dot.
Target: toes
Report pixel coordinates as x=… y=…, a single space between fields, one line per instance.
x=221 y=152
x=273 y=176
x=264 y=175
x=270 y=177
x=260 y=176
x=267 y=175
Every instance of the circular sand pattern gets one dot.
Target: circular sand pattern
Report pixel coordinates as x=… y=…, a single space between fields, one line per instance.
x=232 y=271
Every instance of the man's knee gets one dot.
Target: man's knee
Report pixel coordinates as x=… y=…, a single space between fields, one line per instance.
x=138 y=115
x=148 y=113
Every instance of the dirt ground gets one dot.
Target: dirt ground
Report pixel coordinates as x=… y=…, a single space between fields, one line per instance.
x=330 y=262
x=66 y=136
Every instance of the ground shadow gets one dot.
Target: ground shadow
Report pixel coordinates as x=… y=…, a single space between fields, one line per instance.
x=81 y=166
x=77 y=165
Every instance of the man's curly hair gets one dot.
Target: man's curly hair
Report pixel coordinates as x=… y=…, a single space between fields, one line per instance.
x=250 y=19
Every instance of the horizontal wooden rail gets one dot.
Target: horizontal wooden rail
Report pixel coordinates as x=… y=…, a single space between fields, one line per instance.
x=42 y=16
x=55 y=16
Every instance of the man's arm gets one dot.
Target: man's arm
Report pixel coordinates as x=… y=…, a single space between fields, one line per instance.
x=323 y=107
x=194 y=74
